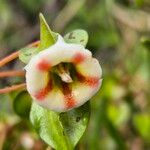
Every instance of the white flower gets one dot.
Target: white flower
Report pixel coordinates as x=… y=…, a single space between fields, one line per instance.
x=63 y=76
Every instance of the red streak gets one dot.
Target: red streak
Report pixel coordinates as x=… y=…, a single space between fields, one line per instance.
x=69 y=100
x=43 y=65
x=90 y=81
x=40 y=95
x=78 y=58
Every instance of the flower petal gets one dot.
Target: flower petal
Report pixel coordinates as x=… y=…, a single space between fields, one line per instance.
x=40 y=82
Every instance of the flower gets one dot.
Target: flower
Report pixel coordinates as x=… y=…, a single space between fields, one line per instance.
x=63 y=76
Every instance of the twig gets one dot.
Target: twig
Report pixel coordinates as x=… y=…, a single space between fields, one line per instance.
x=15 y=54
x=34 y=44
x=12 y=73
x=9 y=58
x=2 y=134
x=12 y=88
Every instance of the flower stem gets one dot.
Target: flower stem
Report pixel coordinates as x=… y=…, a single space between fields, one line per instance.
x=20 y=73
x=12 y=88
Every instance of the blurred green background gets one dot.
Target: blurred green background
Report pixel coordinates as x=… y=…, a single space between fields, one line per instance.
x=119 y=37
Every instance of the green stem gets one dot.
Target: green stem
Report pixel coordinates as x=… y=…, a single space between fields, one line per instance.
x=114 y=133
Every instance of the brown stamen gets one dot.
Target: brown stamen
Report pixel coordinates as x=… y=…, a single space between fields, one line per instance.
x=64 y=74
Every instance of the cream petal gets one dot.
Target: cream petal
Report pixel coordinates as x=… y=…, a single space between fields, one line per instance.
x=90 y=67
x=35 y=79
x=83 y=93
x=53 y=101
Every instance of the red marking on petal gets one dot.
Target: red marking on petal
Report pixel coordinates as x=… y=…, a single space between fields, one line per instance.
x=43 y=65
x=41 y=94
x=69 y=99
x=90 y=81
x=78 y=58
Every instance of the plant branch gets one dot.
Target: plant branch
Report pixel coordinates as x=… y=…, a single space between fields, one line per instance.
x=9 y=58
x=12 y=88
x=14 y=55
x=34 y=44
x=20 y=73
x=14 y=73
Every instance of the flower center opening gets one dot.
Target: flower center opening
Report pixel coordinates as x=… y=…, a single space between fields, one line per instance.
x=63 y=72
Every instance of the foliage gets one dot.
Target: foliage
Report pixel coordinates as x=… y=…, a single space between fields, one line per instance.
x=119 y=37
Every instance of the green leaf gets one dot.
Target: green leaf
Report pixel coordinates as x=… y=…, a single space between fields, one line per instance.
x=22 y=104
x=47 y=38
x=27 y=53
x=118 y=114
x=139 y=3
x=61 y=131
x=146 y=41
x=78 y=36
x=46 y=35
x=142 y=124
x=75 y=122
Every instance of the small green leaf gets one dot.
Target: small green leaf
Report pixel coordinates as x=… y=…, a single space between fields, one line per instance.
x=61 y=131
x=146 y=41
x=22 y=104
x=142 y=125
x=75 y=122
x=47 y=38
x=78 y=36
x=27 y=53
x=46 y=35
x=118 y=114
